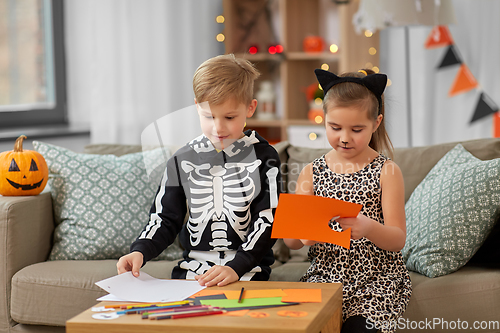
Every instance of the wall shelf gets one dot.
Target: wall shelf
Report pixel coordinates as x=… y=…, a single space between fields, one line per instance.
x=287 y=22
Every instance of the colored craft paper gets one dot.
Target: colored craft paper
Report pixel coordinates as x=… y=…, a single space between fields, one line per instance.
x=440 y=36
x=246 y=302
x=451 y=58
x=235 y=294
x=464 y=81
x=484 y=107
x=302 y=295
x=307 y=216
x=292 y=314
x=258 y=314
x=148 y=289
x=207 y=292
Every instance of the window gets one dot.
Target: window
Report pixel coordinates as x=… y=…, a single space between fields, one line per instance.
x=32 y=71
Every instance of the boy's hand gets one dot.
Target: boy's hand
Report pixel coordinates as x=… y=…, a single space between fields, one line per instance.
x=130 y=262
x=217 y=275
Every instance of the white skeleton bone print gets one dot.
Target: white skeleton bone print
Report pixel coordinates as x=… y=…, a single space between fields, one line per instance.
x=220 y=193
x=230 y=195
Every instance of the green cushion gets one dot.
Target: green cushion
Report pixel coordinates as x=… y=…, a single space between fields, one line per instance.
x=101 y=202
x=451 y=212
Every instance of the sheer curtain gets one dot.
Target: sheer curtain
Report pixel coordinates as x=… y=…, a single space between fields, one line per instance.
x=435 y=117
x=131 y=62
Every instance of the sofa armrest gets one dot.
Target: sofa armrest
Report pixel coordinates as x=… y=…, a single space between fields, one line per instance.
x=26 y=226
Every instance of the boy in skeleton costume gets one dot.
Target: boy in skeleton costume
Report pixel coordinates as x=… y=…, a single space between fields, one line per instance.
x=227 y=179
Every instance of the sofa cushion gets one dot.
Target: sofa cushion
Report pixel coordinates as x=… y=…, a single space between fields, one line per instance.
x=112 y=149
x=416 y=162
x=101 y=202
x=52 y=292
x=452 y=297
x=291 y=271
x=451 y=212
x=489 y=253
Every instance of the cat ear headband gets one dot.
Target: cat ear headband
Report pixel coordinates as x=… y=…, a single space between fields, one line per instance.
x=376 y=83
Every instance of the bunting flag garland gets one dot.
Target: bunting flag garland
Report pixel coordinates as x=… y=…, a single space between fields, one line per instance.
x=485 y=107
x=451 y=58
x=496 y=125
x=464 y=81
x=440 y=36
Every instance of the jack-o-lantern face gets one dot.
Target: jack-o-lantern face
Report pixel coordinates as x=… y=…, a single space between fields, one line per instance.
x=22 y=172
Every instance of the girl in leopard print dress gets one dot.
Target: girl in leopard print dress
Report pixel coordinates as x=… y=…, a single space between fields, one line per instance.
x=376 y=283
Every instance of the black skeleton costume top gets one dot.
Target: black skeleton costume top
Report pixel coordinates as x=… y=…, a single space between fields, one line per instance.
x=231 y=196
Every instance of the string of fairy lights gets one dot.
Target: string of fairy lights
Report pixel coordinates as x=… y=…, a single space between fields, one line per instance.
x=333 y=49
x=278 y=48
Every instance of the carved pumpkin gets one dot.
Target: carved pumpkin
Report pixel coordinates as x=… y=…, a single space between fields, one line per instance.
x=22 y=172
x=313 y=44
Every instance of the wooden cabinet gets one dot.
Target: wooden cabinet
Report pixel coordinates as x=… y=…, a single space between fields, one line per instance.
x=262 y=23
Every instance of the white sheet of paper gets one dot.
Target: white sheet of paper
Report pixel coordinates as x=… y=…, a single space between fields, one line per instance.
x=146 y=288
x=110 y=298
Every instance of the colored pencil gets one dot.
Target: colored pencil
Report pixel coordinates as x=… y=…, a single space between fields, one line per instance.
x=141 y=310
x=189 y=315
x=241 y=295
x=157 y=304
x=146 y=315
x=130 y=305
x=171 y=313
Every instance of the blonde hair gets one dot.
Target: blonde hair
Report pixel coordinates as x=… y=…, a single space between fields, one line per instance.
x=349 y=94
x=225 y=77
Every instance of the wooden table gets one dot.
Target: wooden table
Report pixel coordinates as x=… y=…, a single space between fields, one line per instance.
x=322 y=317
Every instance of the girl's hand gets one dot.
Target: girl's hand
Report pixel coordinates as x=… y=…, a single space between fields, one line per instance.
x=360 y=225
x=217 y=275
x=308 y=242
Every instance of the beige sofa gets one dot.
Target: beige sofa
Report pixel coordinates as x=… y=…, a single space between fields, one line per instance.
x=39 y=295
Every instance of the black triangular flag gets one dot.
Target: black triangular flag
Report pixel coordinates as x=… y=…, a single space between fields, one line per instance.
x=485 y=106
x=451 y=58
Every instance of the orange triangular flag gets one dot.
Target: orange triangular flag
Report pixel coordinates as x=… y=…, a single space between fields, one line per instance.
x=464 y=81
x=440 y=36
x=496 y=125
x=306 y=217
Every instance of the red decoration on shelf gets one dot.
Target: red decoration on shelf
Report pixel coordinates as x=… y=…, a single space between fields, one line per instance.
x=312 y=115
x=313 y=44
x=274 y=49
x=253 y=49
x=313 y=92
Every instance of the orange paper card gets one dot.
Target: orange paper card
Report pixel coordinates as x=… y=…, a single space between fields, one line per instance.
x=302 y=295
x=235 y=294
x=307 y=216
x=207 y=292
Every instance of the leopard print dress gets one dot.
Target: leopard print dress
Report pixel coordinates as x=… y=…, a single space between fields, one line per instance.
x=376 y=282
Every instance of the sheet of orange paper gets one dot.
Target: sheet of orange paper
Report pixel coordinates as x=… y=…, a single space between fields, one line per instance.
x=306 y=217
x=235 y=294
x=302 y=295
x=207 y=292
